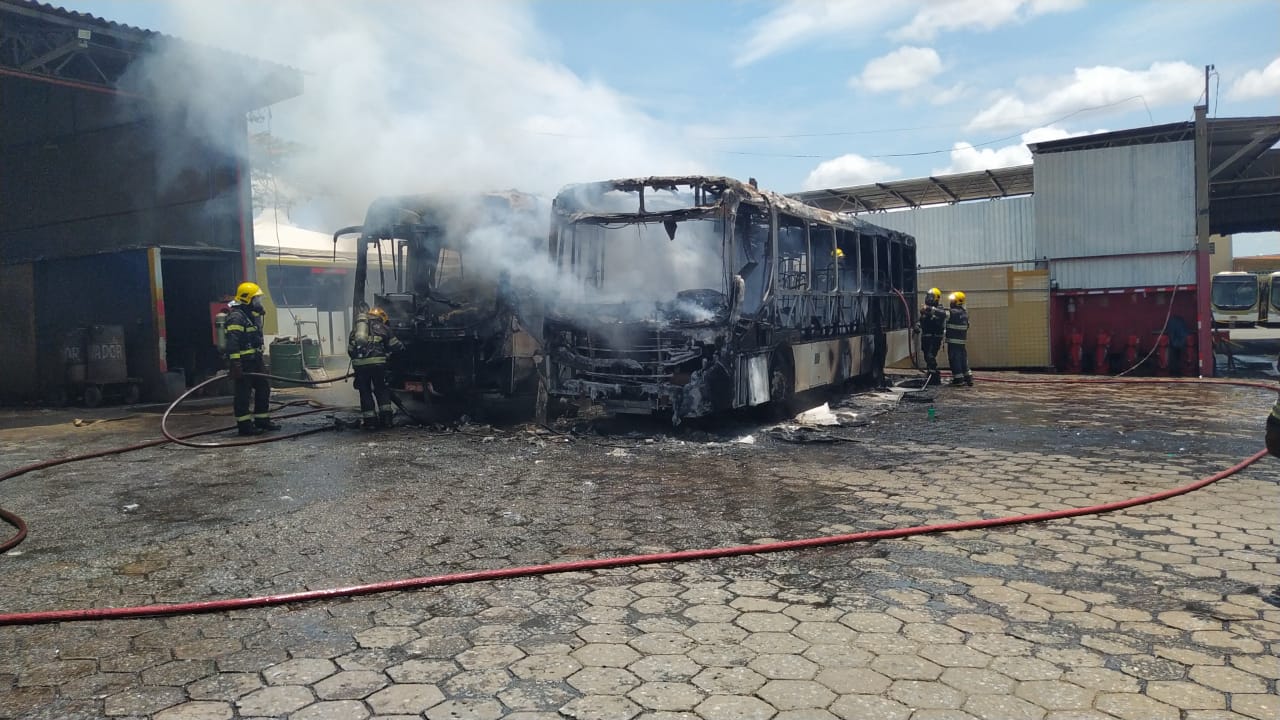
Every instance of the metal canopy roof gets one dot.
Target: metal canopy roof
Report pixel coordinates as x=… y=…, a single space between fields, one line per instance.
x=980 y=185
x=44 y=43
x=1244 y=168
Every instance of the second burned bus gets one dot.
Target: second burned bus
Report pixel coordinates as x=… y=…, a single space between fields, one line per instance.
x=686 y=296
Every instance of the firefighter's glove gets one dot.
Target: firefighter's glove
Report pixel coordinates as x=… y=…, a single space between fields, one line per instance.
x=237 y=370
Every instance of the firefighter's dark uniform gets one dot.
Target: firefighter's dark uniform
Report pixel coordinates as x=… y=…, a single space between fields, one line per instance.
x=244 y=348
x=369 y=359
x=1273 y=428
x=957 y=345
x=933 y=325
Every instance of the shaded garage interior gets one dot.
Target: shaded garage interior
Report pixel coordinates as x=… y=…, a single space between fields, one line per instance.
x=121 y=205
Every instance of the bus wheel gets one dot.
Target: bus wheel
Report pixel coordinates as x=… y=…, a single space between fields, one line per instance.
x=781 y=386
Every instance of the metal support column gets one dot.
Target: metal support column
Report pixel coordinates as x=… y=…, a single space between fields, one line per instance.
x=1204 y=316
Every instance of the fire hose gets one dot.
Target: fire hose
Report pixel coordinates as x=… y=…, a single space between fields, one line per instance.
x=224 y=605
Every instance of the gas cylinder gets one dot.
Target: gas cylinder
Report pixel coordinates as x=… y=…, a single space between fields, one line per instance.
x=220 y=330
x=1102 y=354
x=362 y=328
x=1190 y=357
x=1131 y=352
x=1075 y=352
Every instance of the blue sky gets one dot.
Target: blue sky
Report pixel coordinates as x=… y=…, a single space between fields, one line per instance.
x=800 y=94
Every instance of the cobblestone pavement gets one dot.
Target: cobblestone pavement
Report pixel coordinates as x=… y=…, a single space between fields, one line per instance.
x=1169 y=610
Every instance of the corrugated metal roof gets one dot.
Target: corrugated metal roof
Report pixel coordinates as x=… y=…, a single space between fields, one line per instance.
x=129 y=32
x=918 y=192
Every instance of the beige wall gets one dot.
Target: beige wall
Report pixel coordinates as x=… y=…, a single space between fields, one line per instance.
x=1221 y=257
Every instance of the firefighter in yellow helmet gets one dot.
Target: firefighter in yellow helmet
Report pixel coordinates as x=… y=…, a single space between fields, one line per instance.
x=244 y=356
x=370 y=344
x=958 y=339
x=933 y=325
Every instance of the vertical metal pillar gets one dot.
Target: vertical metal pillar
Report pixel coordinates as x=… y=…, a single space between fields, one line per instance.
x=161 y=334
x=1204 y=316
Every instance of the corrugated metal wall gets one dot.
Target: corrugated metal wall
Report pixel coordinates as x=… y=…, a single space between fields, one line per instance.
x=1136 y=199
x=1124 y=272
x=1001 y=231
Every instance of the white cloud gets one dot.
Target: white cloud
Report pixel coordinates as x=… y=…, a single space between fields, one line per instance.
x=1164 y=83
x=949 y=15
x=846 y=170
x=903 y=69
x=1257 y=83
x=409 y=98
x=800 y=21
x=967 y=158
x=948 y=95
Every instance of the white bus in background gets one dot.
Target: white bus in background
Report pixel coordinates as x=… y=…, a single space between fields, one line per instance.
x=1237 y=299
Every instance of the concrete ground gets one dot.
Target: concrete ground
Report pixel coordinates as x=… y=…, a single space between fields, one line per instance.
x=1169 y=610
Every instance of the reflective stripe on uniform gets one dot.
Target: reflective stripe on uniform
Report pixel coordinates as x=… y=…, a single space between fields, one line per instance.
x=232 y=328
x=243 y=418
x=957 y=327
x=369 y=361
x=263 y=416
x=953 y=341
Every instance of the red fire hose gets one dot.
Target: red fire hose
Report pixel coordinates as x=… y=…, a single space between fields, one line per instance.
x=31 y=618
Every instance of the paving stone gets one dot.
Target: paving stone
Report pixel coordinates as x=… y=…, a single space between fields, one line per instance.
x=664 y=668
x=276 y=700
x=729 y=707
x=1227 y=679
x=978 y=681
x=925 y=695
x=871 y=622
x=784 y=667
x=405 y=699
x=198 y=710
x=1131 y=706
x=796 y=694
x=666 y=696
x=385 y=637
x=995 y=707
x=543 y=667
x=304 y=671
x=224 y=686
x=466 y=709
x=351 y=685
x=1055 y=695
x=1267 y=667
x=334 y=710
x=1262 y=707
x=1026 y=669
x=605 y=655
x=864 y=707
x=955 y=656
x=1186 y=696
x=603 y=681
x=601 y=707
x=477 y=683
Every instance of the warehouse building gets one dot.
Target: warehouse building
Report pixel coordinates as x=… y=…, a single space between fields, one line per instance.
x=113 y=214
x=1099 y=254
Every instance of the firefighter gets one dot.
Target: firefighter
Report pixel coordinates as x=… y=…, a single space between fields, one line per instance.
x=933 y=325
x=369 y=346
x=244 y=357
x=957 y=340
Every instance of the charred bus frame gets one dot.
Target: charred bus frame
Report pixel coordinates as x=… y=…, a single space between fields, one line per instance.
x=780 y=297
x=470 y=326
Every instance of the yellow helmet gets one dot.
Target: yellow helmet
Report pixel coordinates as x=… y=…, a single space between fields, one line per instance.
x=839 y=253
x=246 y=292
x=935 y=293
x=956 y=297
x=378 y=313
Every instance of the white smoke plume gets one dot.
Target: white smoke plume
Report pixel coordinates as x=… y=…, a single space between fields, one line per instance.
x=411 y=97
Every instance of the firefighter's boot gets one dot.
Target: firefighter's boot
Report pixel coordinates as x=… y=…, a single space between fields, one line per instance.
x=387 y=417
x=266 y=425
x=935 y=378
x=369 y=422
x=246 y=428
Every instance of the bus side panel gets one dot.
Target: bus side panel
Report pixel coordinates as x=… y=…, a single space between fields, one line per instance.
x=815 y=363
x=899 y=342
x=753 y=380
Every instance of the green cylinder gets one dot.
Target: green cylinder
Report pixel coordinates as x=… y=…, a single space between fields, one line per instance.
x=286 y=362
x=310 y=353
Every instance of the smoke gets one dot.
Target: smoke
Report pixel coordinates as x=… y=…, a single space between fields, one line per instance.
x=407 y=97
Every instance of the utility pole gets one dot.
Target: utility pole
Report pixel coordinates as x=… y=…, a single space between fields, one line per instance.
x=1204 y=314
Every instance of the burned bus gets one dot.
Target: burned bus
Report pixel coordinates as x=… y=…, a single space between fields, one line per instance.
x=454 y=276
x=687 y=296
